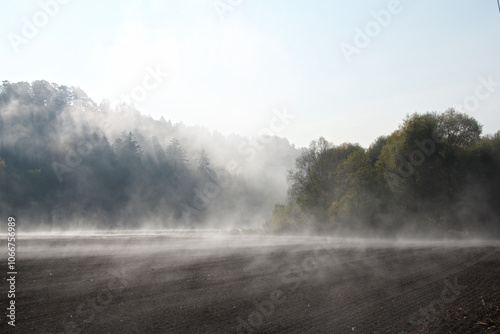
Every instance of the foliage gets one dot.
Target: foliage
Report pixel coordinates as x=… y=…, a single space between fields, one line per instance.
x=435 y=169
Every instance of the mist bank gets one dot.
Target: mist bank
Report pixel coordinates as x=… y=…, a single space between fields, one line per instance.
x=67 y=162
x=435 y=176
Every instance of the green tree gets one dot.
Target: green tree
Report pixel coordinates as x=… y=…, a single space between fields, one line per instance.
x=457 y=132
x=312 y=183
x=476 y=206
x=375 y=149
x=410 y=159
x=353 y=200
x=309 y=178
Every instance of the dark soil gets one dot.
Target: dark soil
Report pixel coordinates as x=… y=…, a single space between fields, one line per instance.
x=154 y=285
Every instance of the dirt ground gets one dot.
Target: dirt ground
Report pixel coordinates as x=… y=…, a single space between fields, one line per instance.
x=193 y=284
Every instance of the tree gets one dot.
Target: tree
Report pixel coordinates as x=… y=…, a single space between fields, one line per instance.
x=310 y=170
x=128 y=148
x=353 y=200
x=376 y=148
x=176 y=153
x=204 y=165
x=312 y=183
x=133 y=146
x=410 y=161
x=458 y=130
x=476 y=205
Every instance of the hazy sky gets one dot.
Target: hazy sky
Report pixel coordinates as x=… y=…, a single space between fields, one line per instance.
x=343 y=74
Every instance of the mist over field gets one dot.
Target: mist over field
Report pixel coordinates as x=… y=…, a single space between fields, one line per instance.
x=248 y=167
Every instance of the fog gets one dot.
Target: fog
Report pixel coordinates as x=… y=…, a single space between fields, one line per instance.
x=93 y=166
x=200 y=244
x=69 y=163
x=228 y=166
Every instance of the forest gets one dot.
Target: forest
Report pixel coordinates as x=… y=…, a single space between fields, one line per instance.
x=68 y=162
x=436 y=173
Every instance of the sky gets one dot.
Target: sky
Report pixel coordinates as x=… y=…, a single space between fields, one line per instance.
x=349 y=71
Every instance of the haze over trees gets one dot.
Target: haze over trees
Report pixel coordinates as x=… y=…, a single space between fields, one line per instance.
x=67 y=161
x=435 y=172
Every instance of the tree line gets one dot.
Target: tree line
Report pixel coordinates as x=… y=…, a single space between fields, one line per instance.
x=436 y=173
x=62 y=166
x=65 y=159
